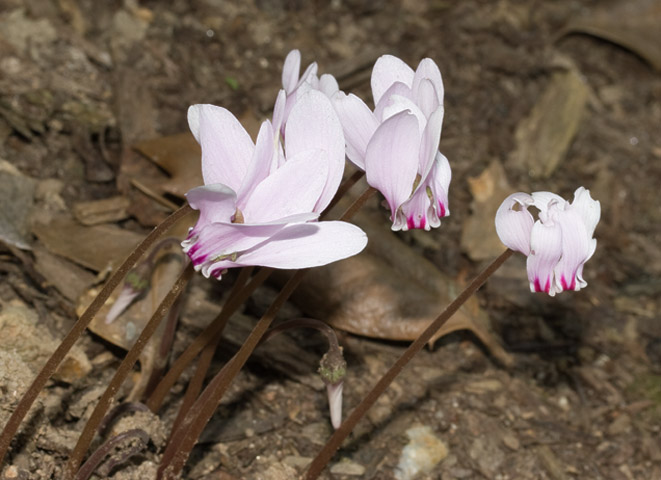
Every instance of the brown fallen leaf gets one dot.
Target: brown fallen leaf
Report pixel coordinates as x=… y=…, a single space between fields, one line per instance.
x=69 y=279
x=478 y=237
x=389 y=292
x=178 y=155
x=632 y=24
x=98 y=247
x=107 y=210
x=543 y=138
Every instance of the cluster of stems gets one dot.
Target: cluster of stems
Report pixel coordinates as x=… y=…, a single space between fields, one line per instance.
x=197 y=408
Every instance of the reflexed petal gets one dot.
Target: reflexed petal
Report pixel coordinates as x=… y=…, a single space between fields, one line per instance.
x=388 y=70
x=391 y=163
x=294 y=188
x=226 y=146
x=587 y=208
x=576 y=249
x=307 y=245
x=216 y=203
x=545 y=251
x=514 y=226
x=438 y=182
x=358 y=123
x=313 y=124
x=290 y=71
x=279 y=111
x=334 y=392
x=428 y=70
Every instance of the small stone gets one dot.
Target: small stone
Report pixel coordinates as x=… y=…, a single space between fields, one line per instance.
x=347 y=467
x=423 y=452
x=483 y=386
x=511 y=441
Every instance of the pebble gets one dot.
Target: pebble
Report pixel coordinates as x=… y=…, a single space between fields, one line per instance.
x=347 y=467
x=423 y=452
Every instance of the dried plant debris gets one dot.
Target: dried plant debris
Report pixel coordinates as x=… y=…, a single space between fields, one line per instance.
x=107 y=210
x=17 y=199
x=98 y=248
x=632 y=24
x=478 y=237
x=543 y=138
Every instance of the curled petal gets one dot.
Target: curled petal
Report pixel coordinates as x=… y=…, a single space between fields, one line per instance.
x=438 y=182
x=388 y=70
x=358 y=123
x=226 y=146
x=514 y=223
x=544 y=200
x=334 y=392
x=397 y=89
x=396 y=104
x=391 y=162
x=545 y=251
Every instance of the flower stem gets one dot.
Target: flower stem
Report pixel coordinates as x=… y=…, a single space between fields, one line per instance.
x=184 y=438
x=78 y=328
x=334 y=442
x=122 y=372
x=195 y=384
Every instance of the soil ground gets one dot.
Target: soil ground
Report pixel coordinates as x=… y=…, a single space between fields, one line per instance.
x=83 y=81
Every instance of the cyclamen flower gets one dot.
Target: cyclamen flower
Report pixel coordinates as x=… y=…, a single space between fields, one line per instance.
x=397 y=143
x=558 y=244
x=258 y=199
x=295 y=86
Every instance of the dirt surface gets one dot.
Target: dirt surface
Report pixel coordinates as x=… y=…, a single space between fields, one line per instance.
x=83 y=81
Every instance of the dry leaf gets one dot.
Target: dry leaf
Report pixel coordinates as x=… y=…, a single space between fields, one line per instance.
x=97 y=248
x=544 y=137
x=390 y=292
x=69 y=279
x=632 y=24
x=108 y=210
x=478 y=237
x=178 y=155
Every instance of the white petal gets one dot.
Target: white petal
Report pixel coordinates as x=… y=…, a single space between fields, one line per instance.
x=514 y=223
x=358 y=123
x=328 y=85
x=397 y=89
x=577 y=247
x=307 y=245
x=226 y=146
x=543 y=200
x=588 y=209
x=545 y=251
x=428 y=70
x=431 y=137
x=313 y=124
x=290 y=70
x=216 y=203
x=261 y=163
x=388 y=70
x=391 y=162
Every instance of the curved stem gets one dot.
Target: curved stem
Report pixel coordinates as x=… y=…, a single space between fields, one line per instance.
x=100 y=453
x=184 y=438
x=349 y=424
x=122 y=372
x=78 y=328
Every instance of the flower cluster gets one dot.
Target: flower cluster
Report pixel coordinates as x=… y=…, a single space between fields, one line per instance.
x=558 y=243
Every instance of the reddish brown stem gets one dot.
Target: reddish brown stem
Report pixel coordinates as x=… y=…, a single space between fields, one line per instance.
x=203 y=364
x=79 y=327
x=327 y=452
x=233 y=303
x=122 y=372
x=184 y=439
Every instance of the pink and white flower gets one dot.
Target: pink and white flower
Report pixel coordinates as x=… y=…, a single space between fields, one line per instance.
x=397 y=143
x=558 y=243
x=259 y=200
